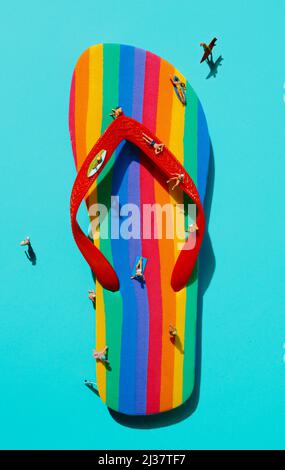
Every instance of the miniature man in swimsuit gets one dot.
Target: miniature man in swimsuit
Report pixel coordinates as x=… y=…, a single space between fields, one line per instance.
x=158 y=148
x=178 y=178
x=116 y=112
x=92 y=295
x=139 y=274
x=192 y=228
x=172 y=331
x=180 y=87
x=101 y=355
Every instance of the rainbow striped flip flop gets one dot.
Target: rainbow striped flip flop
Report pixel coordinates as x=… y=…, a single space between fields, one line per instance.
x=149 y=370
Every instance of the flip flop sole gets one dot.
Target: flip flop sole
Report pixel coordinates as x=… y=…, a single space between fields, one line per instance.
x=148 y=372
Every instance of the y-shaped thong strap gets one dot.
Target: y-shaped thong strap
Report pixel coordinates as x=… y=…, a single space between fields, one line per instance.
x=125 y=128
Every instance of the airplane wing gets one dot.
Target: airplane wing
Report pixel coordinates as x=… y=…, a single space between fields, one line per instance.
x=213 y=43
x=205 y=56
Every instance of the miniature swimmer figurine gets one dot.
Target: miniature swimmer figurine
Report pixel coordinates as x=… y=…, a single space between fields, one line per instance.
x=101 y=355
x=158 y=148
x=139 y=274
x=116 y=112
x=92 y=295
x=178 y=178
x=180 y=87
x=172 y=331
x=192 y=228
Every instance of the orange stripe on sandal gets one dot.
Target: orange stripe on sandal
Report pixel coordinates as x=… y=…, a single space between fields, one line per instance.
x=163 y=128
x=81 y=103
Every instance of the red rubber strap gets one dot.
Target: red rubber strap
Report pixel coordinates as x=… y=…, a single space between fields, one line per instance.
x=125 y=128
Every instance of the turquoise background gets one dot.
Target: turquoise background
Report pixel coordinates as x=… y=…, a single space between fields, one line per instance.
x=47 y=321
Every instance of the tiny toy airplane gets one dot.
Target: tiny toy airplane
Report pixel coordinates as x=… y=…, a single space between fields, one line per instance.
x=208 y=48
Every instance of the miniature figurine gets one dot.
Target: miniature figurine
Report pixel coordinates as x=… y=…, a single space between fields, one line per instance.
x=172 y=331
x=158 y=148
x=116 y=112
x=92 y=295
x=101 y=355
x=99 y=159
x=180 y=88
x=192 y=228
x=139 y=271
x=30 y=254
x=178 y=178
x=90 y=383
x=25 y=242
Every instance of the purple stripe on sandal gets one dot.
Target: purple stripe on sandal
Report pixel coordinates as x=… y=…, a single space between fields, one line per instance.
x=135 y=246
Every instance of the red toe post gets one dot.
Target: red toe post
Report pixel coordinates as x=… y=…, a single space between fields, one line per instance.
x=125 y=128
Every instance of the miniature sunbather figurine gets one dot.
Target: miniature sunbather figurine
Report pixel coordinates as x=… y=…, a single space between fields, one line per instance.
x=101 y=355
x=180 y=88
x=192 y=228
x=172 y=331
x=116 y=112
x=158 y=148
x=139 y=271
x=178 y=178
x=92 y=295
